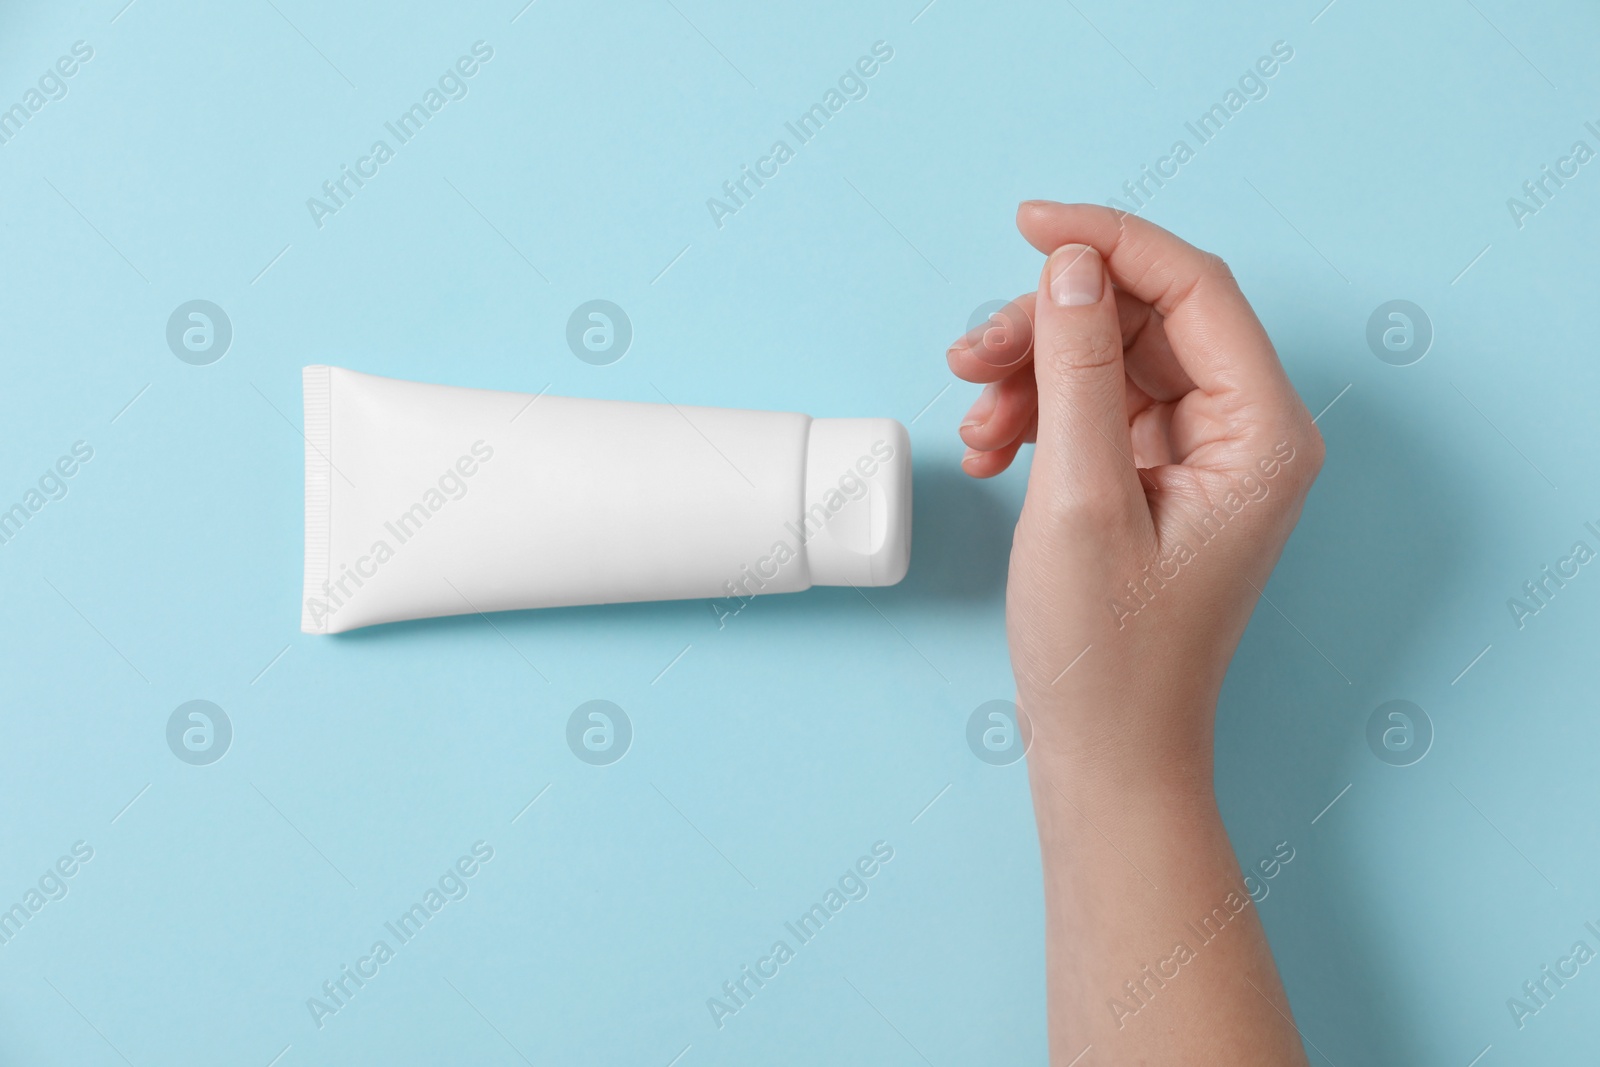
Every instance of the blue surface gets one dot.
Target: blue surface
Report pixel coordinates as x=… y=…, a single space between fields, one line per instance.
x=768 y=755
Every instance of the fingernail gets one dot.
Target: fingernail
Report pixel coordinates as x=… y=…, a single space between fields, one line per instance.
x=981 y=409
x=1075 y=276
x=972 y=454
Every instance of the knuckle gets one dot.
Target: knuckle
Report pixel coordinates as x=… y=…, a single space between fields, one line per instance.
x=1076 y=349
x=1309 y=452
x=1316 y=450
x=1092 y=512
x=1217 y=269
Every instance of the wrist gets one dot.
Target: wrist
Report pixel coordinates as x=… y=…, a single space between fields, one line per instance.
x=1136 y=766
x=1157 y=816
x=1139 y=747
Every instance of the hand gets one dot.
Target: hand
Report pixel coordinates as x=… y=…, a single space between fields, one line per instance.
x=1172 y=459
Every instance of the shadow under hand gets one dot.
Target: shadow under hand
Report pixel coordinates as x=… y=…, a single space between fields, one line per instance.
x=961 y=532
x=1366 y=580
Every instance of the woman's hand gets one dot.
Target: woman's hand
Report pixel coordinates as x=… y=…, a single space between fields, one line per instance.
x=1172 y=459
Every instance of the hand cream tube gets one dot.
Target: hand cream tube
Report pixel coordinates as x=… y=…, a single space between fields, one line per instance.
x=425 y=500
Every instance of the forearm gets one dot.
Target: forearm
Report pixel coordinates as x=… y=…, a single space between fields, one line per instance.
x=1154 y=951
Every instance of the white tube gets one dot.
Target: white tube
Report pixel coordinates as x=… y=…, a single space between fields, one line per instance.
x=425 y=500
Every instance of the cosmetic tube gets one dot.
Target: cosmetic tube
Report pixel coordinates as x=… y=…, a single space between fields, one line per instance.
x=427 y=500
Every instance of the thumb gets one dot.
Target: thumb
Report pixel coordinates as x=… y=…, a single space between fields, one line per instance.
x=1084 y=456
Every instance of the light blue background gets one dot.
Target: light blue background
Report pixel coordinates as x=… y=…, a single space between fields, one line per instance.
x=777 y=750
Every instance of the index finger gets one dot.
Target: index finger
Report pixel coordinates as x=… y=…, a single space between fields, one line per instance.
x=1214 y=332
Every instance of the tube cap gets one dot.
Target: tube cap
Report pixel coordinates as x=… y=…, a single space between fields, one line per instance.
x=857 y=518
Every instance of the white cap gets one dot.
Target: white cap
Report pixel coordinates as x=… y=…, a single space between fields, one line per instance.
x=857 y=514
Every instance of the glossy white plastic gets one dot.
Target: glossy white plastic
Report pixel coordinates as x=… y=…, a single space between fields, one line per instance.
x=426 y=500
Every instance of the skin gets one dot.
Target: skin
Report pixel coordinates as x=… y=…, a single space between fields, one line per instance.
x=1156 y=402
